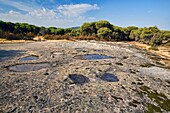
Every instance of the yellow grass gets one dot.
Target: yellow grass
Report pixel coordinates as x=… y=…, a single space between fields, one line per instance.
x=162 y=51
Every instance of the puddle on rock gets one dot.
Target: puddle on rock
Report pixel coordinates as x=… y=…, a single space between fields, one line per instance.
x=28 y=67
x=93 y=57
x=4 y=54
x=32 y=57
x=96 y=57
x=109 y=77
x=79 y=79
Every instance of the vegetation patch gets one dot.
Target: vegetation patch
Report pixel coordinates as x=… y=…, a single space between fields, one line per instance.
x=100 y=30
x=159 y=63
x=154 y=48
x=152 y=109
x=161 y=100
x=168 y=43
x=147 y=65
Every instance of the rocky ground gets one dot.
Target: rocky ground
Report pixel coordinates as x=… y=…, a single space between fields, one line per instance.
x=59 y=77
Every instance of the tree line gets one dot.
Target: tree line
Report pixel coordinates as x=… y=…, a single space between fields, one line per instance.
x=100 y=30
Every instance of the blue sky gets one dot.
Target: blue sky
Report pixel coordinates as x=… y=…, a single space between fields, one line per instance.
x=71 y=13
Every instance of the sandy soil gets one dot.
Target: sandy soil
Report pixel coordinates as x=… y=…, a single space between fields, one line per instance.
x=3 y=41
x=14 y=41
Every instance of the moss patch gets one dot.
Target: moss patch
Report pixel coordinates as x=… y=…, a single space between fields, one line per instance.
x=152 y=109
x=161 y=100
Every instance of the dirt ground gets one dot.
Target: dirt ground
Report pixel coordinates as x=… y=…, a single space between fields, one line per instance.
x=83 y=77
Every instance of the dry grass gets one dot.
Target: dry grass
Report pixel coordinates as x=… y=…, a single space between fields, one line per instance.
x=4 y=41
x=67 y=37
x=162 y=50
x=85 y=38
x=57 y=37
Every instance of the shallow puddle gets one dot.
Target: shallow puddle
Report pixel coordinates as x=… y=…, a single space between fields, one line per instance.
x=79 y=79
x=32 y=57
x=109 y=77
x=4 y=54
x=96 y=57
x=28 y=67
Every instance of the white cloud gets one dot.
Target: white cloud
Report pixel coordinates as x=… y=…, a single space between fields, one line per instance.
x=43 y=13
x=13 y=12
x=92 y=18
x=41 y=17
x=17 y=5
x=62 y=16
x=76 y=9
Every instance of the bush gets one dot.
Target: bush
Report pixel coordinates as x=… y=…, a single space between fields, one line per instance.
x=167 y=43
x=156 y=40
x=104 y=32
x=57 y=37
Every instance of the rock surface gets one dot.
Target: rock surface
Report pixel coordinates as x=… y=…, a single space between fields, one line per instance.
x=71 y=84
